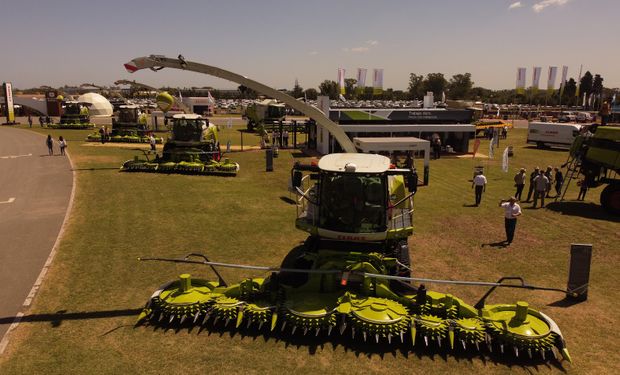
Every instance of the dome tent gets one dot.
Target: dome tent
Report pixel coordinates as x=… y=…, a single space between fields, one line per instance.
x=100 y=106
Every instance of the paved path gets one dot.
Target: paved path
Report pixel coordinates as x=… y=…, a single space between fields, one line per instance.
x=35 y=191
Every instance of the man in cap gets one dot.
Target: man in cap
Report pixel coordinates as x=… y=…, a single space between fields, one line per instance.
x=531 y=189
x=511 y=211
x=520 y=182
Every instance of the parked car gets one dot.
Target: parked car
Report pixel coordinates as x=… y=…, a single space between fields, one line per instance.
x=584 y=117
x=549 y=134
x=567 y=117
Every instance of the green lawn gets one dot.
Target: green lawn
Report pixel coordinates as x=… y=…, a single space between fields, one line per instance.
x=82 y=319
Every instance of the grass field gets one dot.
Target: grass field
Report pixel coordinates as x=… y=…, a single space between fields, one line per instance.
x=81 y=322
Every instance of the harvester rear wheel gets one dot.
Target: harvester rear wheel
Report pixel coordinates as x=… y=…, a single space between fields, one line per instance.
x=610 y=198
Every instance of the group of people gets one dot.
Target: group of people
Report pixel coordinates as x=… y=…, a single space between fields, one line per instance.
x=541 y=183
x=62 y=144
x=280 y=139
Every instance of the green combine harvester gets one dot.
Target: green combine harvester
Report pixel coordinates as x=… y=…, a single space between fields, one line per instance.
x=192 y=148
x=352 y=276
x=129 y=126
x=597 y=159
x=75 y=115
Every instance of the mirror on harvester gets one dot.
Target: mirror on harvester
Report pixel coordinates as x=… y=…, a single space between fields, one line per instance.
x=297 y=176
x=412 y=181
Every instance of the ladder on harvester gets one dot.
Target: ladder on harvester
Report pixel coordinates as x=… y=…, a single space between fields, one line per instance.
x=573 y=168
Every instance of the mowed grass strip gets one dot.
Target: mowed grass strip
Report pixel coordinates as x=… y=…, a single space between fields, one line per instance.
x=82 y=319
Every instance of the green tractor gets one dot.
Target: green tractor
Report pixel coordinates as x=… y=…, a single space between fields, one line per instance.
x=129 y=126
x=192 y=148
x=597 y=158
x=352 y=276
x=75 y=115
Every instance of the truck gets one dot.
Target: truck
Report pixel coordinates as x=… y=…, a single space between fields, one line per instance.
x=553 y=134
x=597 y=158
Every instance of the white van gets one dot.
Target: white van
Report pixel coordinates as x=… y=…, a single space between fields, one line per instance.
x=548 y=134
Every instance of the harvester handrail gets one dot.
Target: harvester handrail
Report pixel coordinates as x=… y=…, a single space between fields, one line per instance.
x=522 y=285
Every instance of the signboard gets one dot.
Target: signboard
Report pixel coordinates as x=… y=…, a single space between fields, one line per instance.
x=8 y=100
x=377 y=82
x=521 y=80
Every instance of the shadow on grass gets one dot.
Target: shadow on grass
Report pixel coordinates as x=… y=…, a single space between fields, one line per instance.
x=565 y=302
x=96 y=169
x=470 y=205
x=287 y=200
x=499 y=244
x=58 y=317
x=582 y=209
x=544 y=149
x=369 y=347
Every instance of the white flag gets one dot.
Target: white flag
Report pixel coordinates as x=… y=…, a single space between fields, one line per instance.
x=536 y=78
x=377 y=83
x=361 y=78
x=491 y=148
x=443 y=96
x=521 y=80
x=505 y=160
x=553 y=72
x=210 y=98
x=341 y=80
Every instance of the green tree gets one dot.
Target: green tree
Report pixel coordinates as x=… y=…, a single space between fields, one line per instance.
x=329 y=88
x=415 y=88
x=460 y=86
x=436 y=83
x=311 y=94
x=597 y=84
x=349 y=87
x=585 y=85
x=298 y=91
x=568 y=96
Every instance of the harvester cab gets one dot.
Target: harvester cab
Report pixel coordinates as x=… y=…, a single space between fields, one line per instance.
x=75 y=115
x=355 y=197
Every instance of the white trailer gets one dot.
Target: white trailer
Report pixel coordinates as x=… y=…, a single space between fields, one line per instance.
x=552 y=134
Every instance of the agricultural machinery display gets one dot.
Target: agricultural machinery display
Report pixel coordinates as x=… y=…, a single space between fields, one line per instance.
x=129 y=126
x=192 y=148
x=75 y=115
x=596 y=158
x=352 y=276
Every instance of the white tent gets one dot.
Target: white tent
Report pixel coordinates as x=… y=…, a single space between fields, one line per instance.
x=100 y=106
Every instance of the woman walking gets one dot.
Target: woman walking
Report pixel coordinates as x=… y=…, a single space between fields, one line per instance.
x=50 y=145
x=62 y=144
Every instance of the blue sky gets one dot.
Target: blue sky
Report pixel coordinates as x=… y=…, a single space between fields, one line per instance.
x=58 y=42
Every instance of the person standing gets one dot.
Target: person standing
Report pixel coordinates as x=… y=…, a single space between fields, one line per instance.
x=41 y=120
x=153 y=142
x=531 y=189
x=50 y=145
x=583 y=189
x=604 y=112
x=520 y=183
x=540 y=185
x=62 y=144
x=102 y=134
x=559 y=180
x=29 y=120
x=285 y=136
x=549 y=175
x=511 y=211
x=437 y=148
x=480 y=184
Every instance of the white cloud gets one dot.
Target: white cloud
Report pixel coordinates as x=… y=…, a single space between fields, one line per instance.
x=515 y=5
x=361 y=49
x=541 y=5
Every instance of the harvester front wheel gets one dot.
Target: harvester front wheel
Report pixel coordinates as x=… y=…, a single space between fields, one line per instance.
x=610 y=198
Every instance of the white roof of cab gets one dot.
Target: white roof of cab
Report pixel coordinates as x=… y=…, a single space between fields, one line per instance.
x=188 y=116
x=365 y=163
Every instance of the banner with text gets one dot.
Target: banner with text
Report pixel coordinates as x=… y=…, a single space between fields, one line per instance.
x=563 y=80
x=553 y=72
x=521 y=80
x=377 y=82
x=341 y=80
x=536 y=79
x=361 y=78
x=8 y=100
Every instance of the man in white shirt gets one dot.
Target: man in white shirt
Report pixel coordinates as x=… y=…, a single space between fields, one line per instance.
x=480 y=183
x=511 y=211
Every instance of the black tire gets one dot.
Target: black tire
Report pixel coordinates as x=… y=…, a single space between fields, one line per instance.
x=295 y=259
x=610 y=198
x=540 y=145
x=400 y=251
